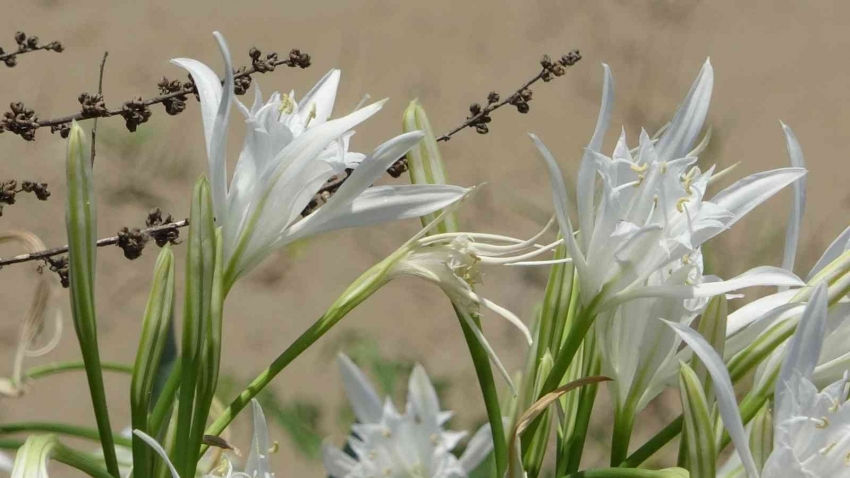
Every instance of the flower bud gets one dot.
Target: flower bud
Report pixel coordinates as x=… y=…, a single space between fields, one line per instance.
x=425 y=164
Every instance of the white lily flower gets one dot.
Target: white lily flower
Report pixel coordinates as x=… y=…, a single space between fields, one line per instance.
x=811 y=427
x=451 y=261
x=6 y=463
x=258 y=464
x=401 y=445
x=653 y=208
x=291 y=149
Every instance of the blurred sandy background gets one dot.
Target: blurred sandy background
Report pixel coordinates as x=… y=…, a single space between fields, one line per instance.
x=773 y=60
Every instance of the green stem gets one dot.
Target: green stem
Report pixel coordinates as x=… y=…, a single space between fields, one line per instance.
x=79 y=460
x=481 y=361
x=587 y=398
x=91 y=357
x=654 y=444
x=10 y=444
x=357 y=292
x=624 y=422
x=618 y=473
x=60 y=428
x=56 y=368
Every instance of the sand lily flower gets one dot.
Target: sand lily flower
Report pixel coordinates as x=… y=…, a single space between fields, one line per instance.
x=653 y=208
x=290 y=150
x=811 y=427
x=258 y=464
x=390 y=444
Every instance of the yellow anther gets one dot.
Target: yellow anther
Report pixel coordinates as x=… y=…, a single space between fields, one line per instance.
x=847 y=459
x=312 y=114
x=821 y=423
x=287 y=106
x=835 y=405
x=680 y=204
x=686 y=259
x=639 y=181
x=639 y=169
x=689 y=281
x=387 y=433
x=275 y=447
x=687 y=179
x=663 y=167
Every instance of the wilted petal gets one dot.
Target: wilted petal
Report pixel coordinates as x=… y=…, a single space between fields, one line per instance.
x=724 y=393
x=363 y=398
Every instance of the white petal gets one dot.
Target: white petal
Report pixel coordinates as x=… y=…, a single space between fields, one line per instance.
x=747 y=193
x=422 y=396
x=218 y=143
x=561 y=202
x=586 y=183
x=792 y=232
x=364 y=400
x=510 y=316
x=323 y=96
x=380 y=204
x=6 y=463
x=257 y=464
x=755 y=310
x=336 y=462
x=758 y=276
x=803 y=350
x=159 y=451
x=689 y=118
x=479 y=447
x=372 y=168
x=838 y=246
x=723 y=391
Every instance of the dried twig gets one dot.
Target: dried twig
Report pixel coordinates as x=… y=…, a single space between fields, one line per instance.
x=24 y=121
x=9 y=191
x=107 y=241
x=480 y=117
x=27 y=45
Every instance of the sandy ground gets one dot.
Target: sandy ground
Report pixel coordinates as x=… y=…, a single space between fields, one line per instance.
x=773 y=60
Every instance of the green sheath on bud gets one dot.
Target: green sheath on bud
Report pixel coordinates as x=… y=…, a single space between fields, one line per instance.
x=81 y=222
x=701 y=453
x=761 y=436
x=425 y=164
x=158 y=315
x=712 y=326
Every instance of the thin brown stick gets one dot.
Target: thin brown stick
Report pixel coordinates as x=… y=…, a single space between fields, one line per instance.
x=107 y=241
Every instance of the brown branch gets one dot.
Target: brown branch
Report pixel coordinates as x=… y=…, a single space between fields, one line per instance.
x=107 y=241
x=24 y=121
x=481 y=116
x=27 y=45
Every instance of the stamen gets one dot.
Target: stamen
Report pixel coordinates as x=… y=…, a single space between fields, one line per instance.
x=275 y=447
x=828 y=448
x=312 y=115
x=835 y=405
x=686 y=259
x=687 y=179
x=821 y=422
x=640 y=180
x=387 y=433
x=639 y=169
x=663 y=167
x=680 y=204
x=287 y=106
